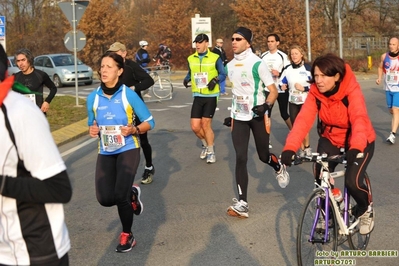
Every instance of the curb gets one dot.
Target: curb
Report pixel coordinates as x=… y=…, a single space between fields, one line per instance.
x=70 y=132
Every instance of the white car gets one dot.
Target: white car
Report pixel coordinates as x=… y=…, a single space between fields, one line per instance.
x=12 y=66
x=61 y=69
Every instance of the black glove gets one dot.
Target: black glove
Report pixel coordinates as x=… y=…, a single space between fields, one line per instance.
x=351 y=155
x=185 y=83
x=287 y=157
x=211 y=85
x=260 y=110
x=227 y=122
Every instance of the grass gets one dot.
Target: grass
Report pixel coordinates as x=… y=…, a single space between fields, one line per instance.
x=63 y=111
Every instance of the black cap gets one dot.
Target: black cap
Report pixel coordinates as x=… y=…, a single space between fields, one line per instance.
x=3 y=63
x=201 y=37
x=246 y=33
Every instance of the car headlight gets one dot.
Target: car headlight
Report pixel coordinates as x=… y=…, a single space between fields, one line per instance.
x=66 y=71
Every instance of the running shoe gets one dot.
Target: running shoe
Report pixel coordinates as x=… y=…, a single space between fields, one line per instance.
x=147 y=176
x=137 y=205
x=282 y=176
x=126 y=242
x=238 y=209
x=391 y=139
x=301 y=153
x=204 y=152
x=147 y=95
x=270 y=145
x=210 y=157
x=366 y=222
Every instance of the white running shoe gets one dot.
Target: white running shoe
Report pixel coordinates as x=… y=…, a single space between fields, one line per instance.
x=391 y=139
x=204 y=151
x=283 y=177
x=210 y=157
x=367 y=222
x=238 y=209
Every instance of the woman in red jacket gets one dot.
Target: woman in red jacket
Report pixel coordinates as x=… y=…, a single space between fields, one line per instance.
x=336 y=96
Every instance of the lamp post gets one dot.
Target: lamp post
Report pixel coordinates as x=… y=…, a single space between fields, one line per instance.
x=308 y=30
x=340 y=30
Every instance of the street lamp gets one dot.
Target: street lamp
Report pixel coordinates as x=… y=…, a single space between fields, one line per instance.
x=308 y=31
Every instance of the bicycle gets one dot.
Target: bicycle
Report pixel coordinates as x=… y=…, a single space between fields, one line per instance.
x=313 y=240
x=162 y=87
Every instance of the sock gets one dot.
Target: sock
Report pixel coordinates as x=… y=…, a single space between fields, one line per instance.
x=273 y=162
x=393 y=133
x=204 y=142
x=307 y=146
x=148 y=168
x=210 y=149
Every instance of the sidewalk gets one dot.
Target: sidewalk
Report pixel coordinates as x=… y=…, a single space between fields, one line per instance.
x=78 y=129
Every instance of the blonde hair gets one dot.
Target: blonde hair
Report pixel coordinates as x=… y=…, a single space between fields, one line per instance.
x=300 y=49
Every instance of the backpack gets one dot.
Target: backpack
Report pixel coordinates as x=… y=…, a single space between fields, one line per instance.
x=168 y=53
x=321 y=127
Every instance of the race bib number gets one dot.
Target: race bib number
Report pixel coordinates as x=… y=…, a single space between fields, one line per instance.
x=201 y=80
x=31 y=97
x=242 y=105
x=111 y=138
x=392 y=78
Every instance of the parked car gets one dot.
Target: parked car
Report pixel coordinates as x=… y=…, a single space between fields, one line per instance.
x=12 y=66
x=61 y=69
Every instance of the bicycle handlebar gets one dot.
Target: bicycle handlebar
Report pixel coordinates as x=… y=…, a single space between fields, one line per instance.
x=316 y=157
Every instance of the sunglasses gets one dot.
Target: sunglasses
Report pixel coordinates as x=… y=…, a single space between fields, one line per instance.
x=237 y=39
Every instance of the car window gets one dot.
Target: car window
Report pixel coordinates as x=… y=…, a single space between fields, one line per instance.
x=9 y=63
x=63 y=60
x=38 y=62
x=47 y=62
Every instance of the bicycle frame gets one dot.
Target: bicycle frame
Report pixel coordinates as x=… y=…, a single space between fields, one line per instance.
x=327 y=179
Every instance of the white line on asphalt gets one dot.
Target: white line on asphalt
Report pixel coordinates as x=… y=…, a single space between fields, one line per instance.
x=65 y=153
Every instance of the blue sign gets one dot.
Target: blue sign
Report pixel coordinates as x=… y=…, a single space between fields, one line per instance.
x=2 y=26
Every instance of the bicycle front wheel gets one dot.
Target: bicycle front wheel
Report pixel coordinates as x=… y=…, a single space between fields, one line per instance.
x=312 y=243
x=355 y=239
x=163 y=88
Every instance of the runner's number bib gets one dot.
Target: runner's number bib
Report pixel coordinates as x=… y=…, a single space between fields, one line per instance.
x=201 y=80
x=111 y=138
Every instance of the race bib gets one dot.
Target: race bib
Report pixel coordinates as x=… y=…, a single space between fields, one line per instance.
x=201 y=80
x=31 y=97
x=392 y=78
x=297 y=97
x=242 y=105
x=111 y=138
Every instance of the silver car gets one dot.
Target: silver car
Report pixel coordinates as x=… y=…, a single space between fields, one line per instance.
x=61 y=69
x=12 y=66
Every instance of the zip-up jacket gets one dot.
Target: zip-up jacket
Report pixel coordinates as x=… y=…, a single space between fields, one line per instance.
x=335 y=116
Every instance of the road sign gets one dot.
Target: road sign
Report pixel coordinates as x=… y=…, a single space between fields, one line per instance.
x=80 y=8
x=80 y=40
x=201 y=25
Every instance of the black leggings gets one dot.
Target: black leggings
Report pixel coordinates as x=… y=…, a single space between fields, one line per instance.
x=294 y=111
x=282 y=100
x=354 y=175
x=240 y=135
x=147 y=150
x=114 y=179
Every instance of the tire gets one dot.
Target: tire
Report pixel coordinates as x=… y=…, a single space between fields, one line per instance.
x=163 y=88
x=355 y=239
x=308 y=251
x=57 y=81
x=89 y=82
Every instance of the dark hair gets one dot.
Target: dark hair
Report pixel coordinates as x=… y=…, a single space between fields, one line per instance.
x=329 y=64
x=273 y=35
x=117 y=58
x=27 y=53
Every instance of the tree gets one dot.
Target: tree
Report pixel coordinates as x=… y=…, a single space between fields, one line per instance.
x=171 y=25
x=285 y=17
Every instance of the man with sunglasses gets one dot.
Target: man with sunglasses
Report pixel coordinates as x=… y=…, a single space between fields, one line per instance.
x=205 y=72
x=249 y=111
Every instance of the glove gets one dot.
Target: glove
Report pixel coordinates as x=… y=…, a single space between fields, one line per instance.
x=185 y=83
x=227 y=121
x=211 y=85
x=260 y=110
x=351 y=155
x=287 y=157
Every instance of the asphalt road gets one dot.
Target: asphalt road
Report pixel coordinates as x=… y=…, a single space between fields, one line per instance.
x=184 y=220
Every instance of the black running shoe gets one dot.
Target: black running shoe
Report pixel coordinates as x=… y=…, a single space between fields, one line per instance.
x=147 y=176
x=126 y=242
x=137 y=205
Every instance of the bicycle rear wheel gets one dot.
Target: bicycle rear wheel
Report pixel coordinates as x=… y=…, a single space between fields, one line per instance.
x=355 y=239
x=310 y=237
x=163 y=88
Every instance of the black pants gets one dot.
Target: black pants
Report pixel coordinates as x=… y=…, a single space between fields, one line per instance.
x=354 y=175
x=282 y=100
x=113 y=179
x=240 y=134
x=145 y=145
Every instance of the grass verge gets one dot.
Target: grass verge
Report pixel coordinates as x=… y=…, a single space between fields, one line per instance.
x=63 y=111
